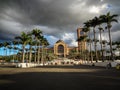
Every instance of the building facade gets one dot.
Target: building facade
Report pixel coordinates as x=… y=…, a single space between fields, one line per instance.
x=61 y=49
x=81 y=44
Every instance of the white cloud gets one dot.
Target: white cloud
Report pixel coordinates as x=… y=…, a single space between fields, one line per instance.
x=51 y=39
x=101 y=0
x=104 y=36
x=98 y=9
x=69 y=37
x=74 y=43
x=94 y=9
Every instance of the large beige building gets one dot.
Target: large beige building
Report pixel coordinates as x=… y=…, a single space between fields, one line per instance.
x=61 y=49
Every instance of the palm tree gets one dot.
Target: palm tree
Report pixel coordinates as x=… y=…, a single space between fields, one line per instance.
x=87 y=26
x=100 y=29
x=100 y=21
x=27 y=54
x=86 y=29
x=108 y=19
x=37 y=35
x=31 y=43
x=108 y=54
x=44 y=43
x=24 y=39
x=1 y=45
x=10 y=48
x=15 y=42
x=90 y=53
x=6 y=44
x=104 y=42
x=81 y=39
x=114 y=51
x=94 y=23
x=118 y=46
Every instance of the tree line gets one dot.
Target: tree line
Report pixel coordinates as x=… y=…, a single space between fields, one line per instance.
x=101 y=23
x=29 y=47
x=33 y=43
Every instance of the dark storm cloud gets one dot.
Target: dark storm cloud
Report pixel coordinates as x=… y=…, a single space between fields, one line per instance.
x=53 y=14
x=49 y=13
x=53 y=17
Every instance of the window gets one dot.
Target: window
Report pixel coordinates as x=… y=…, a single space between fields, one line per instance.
x=60 y=49
x=81 y=33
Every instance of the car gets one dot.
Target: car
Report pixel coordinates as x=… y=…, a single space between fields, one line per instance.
x=118 y=66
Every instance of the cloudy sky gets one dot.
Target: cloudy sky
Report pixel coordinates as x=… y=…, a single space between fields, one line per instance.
x=58 y=19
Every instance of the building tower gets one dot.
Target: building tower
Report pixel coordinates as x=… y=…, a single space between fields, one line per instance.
x=81 y=44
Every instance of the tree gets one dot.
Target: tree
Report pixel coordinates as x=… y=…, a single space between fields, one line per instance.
x=87 y=26
x=1 y=45
x=37 y=35
x=23 y=39
x=6 y=44
x=104 y=42
x=31 y=43
x=100 y=21
x=44 y=43
x=15 y=42
x=94 y=23
x=108 y=19
x=118 y=46
x=82 y=39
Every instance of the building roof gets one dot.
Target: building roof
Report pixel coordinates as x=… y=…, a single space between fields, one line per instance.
x=60 y=41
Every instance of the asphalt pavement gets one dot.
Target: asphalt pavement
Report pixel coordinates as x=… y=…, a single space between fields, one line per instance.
x=78 y=77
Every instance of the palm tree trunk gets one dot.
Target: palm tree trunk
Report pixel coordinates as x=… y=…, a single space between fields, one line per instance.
x=101 y=46
x=6 y=52
x=119 y=52
x=30 y=55
x=91 y=57
x=110 y=43
x=95 y=44
x=23 y=56
x=35 y=56
x=38 y=53
x=42 y=61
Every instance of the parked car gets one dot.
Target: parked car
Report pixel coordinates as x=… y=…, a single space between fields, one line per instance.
x=118 y=66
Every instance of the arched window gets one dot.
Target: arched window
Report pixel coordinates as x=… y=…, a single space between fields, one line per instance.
x=60 y=49
x=81 y=33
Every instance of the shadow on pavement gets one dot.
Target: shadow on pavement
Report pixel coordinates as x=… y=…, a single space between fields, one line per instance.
x=101 y=80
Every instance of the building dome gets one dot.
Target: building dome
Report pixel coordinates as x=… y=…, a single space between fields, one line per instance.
x=59 y=41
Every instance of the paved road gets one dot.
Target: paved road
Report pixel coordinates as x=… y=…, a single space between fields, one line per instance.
x=59 y=78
